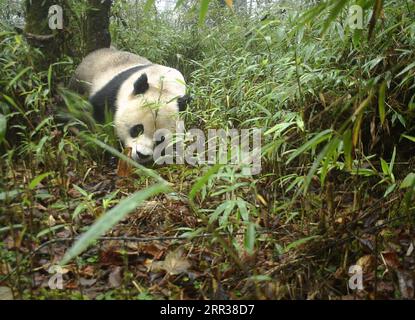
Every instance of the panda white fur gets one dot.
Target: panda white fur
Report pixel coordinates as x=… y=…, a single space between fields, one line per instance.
x=144 y=96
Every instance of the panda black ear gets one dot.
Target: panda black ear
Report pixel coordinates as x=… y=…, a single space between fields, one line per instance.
x=183 y=102
x=141 y=84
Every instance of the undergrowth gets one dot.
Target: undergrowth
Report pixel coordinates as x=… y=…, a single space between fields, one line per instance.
x=336 y=189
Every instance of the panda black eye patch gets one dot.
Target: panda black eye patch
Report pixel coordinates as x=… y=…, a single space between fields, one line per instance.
x=183 y=102
x=136 y=130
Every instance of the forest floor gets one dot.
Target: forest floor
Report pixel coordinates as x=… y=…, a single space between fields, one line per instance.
x=143 y=257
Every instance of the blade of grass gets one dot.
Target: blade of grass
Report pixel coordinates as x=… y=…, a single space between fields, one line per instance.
x=204 y=5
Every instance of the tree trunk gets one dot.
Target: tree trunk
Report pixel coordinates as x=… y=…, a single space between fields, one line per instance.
x=98 y=20
x=39 y=34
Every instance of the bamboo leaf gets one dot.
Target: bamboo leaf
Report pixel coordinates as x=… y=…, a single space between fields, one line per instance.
x=363 y=105
x=204 y=5
x=392 y=162
x=299 y=242
x=34 y=183
x=356 y=129
x=337 y=7
x=317 y=161
x=385 y=167
x=409 y=137
x=3 y=127
x=243 y=209
x=17 y=77
x=408 y=182
x=50 y=230
x=249 y=240
x=223 y=221
x=202 y=181
x=381 y=102
x=347 y=148
x=317 y=139
x=331 y=153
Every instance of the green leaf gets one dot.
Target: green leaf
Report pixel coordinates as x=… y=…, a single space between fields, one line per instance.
x=12 y=227
x=298 y=242
x=280 y=127
x=223 y=221
x=408 y=182
x=392 y=162
x=357 y=37
x=13 y=81
x=337 y=7
x=110 y=218
x=79 y=209
x=249 y=240
x=347 y=148
x=390 y=189
x=204 y=5
x=242 y=209
x=412 y=65
x=148 y=5
x=202 y=181
x=49 y=230
x=220 y=209
x=381 y=102
x=3 y=127
x=80 y=190
x=409 y=137
x=34 y=183
x=356 y=129
x=260 y=277
x=329 y=146
x=331 y=153
x=317 y=139
x=385 y=167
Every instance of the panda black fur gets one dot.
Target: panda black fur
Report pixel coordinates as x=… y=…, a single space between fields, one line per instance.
x=143 y=96
x=106 y=96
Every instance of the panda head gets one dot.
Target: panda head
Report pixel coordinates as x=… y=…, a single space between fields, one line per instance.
x=146 y=102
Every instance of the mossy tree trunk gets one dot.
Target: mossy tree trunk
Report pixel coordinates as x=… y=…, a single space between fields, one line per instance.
x=40 y=35
x=98 y=21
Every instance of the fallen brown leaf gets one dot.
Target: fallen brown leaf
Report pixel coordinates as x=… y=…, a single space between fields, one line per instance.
x=367 y=263
x=174 y=263
x=124 y=169
x=391 y=259
x=115 y=278
x=154 y=250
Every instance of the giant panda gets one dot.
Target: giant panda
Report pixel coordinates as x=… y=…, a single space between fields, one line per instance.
x=143 y=96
